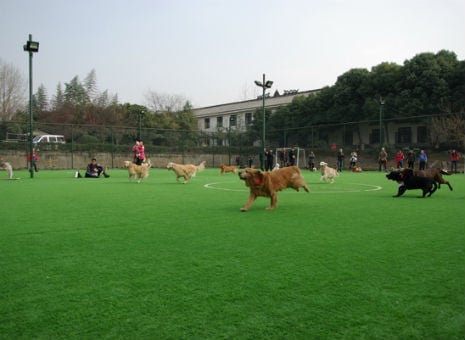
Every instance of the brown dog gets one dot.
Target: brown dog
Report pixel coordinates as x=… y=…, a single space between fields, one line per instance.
x=267 y=184
x=435 y=174
x=185 y=170
x=228 y=168
x=138 y=172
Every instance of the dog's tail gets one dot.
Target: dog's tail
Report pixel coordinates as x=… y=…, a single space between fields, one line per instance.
x=201 y=166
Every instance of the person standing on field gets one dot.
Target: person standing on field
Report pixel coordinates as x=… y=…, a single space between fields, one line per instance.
x=454 y=159
x=382 y=159
x=423 y=159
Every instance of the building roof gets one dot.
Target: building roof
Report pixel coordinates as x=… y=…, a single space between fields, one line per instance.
x=250 y=105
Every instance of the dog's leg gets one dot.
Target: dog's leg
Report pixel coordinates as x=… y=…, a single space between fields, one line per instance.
x=401 y=191
x=247 y=205
x=273 y=201
x=433 y=188
x=445 y=182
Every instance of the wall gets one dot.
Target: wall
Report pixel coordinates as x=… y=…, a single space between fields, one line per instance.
x=50 y=160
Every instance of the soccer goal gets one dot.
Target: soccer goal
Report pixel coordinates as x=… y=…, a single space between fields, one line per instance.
x=284 y=157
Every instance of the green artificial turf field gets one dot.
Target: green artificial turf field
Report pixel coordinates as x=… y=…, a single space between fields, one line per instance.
x=113 y=259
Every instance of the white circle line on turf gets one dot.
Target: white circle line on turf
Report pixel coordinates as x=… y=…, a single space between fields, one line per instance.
x=370 y=188
x=211 y=186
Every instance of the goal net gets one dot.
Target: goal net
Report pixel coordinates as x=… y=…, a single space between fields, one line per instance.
x=291 y=156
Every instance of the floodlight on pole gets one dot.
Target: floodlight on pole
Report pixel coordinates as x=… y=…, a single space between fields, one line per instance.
x=264 y=85
x=31 y=47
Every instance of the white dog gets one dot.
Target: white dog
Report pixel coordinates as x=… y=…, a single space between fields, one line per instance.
x=327 y=173
x=9 y=169
x=276 y=167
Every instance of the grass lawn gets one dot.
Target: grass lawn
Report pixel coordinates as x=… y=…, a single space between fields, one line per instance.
x=113 y=259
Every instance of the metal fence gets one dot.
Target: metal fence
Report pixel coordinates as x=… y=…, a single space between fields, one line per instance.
x=233 y=146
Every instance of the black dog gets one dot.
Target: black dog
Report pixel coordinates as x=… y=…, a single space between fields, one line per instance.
x=408 y=181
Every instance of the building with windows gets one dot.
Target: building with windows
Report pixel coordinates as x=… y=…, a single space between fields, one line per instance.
x=238 y=115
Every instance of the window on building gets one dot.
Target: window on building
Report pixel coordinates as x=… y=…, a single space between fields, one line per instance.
x=207 y=123
x=233 y=120
x=348 y=137
x=404 y=135
x=219 y=122
x=248 y=118
x=374 y=136
x=422 y=134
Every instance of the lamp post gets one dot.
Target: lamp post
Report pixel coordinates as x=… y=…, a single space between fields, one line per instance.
x=264 y=85
x=31 y=47
x=381 y=141
x=231 y=120
x=140 y=120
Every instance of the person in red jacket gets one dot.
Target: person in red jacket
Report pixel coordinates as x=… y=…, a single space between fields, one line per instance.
x=400 y=159
x=454 y=159
x=35 y=159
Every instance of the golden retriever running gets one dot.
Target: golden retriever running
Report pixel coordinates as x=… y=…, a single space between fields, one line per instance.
x=185 y=170
x=138 y=172
x=228 y=168
x=327 y=173
x=267 y=184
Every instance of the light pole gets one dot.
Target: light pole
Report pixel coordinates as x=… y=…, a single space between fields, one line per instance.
x=31 y=47
x=381 y=103
x=231 y=120
x=140 y=120
x=264 y=85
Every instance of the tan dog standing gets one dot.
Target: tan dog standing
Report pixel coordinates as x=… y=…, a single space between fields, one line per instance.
x=327 y=173
x=185 y=170
x=267 y=184
x=138 y=172
x=228 y=168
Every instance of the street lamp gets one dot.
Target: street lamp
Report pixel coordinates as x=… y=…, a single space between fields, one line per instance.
x=381 y=103
x=232 y=119
x=140 y=114
x=31 y=47
x=264 y=85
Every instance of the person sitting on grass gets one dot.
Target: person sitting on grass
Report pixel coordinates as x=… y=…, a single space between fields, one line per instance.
x=94 y=170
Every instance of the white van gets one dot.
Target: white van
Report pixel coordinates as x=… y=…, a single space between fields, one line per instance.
x=60 y=139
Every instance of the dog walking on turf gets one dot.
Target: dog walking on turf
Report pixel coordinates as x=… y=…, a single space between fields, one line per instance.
x=407 y=181
x=327 y=173
x=138 y=172
x=267 y=184
x=9 y=169
x=185 y=170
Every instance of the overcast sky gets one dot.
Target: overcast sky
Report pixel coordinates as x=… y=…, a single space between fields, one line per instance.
x=211 y=51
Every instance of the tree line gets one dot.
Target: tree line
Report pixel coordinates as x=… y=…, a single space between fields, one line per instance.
x=427 y=84
x=430 y=84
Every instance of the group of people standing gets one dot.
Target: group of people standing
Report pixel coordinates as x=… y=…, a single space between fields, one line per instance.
x=285 y=157
x=410 y=158
x=400 y=159
x=340 y=160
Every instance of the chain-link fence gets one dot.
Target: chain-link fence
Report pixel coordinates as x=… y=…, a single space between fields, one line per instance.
x=436 y=134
